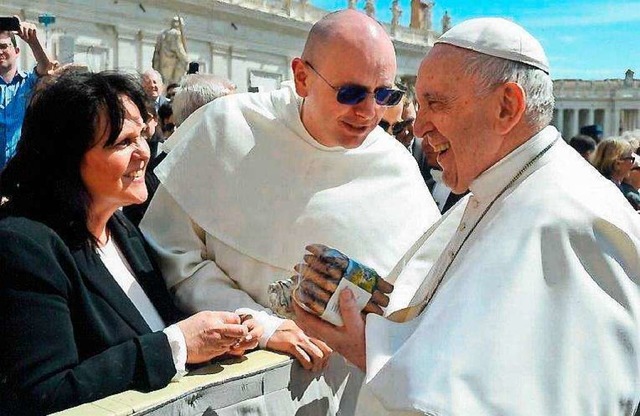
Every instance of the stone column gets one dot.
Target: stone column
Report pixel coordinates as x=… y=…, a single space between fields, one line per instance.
x=230 y=63
x=115 y=61
x=591 y=117
x=560 y=121
x=212 y=53
x=616 y=121
x=139 y=54
x=575 y=127
x=606 y=123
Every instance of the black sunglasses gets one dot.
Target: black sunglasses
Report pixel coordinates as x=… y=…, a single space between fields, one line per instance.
x=353 y=94
x=169 y=127
x=396 y=128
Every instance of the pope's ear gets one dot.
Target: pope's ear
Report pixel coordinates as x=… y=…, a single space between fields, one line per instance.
x=300 y=77
x=512 y=104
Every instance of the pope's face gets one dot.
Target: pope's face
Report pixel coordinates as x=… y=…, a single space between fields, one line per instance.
x=454 y=120
x=330 y=122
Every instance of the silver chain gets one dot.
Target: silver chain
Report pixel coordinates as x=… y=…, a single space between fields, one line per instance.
x=507 y=186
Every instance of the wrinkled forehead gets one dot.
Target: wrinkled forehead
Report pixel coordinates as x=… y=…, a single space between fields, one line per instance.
x=443 y=63
x=443 y=53
x=151 y=77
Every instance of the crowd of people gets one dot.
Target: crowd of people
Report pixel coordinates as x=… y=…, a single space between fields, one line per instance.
x=140 y=229
x=616 y=158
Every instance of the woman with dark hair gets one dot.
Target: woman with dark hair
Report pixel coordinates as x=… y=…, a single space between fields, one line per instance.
x=85 y=313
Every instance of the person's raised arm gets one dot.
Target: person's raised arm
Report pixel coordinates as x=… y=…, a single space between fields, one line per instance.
x=28 y=33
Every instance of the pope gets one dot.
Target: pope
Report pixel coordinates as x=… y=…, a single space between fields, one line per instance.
x=533 y=305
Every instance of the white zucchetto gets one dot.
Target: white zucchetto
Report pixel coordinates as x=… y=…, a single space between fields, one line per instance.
x=497 y=37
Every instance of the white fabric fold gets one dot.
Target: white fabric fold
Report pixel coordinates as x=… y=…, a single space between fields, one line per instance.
x=270 y=182
x=178 y=346
x=538 y=314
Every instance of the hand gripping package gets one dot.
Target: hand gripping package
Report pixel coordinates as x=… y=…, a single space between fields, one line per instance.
x=320 y=279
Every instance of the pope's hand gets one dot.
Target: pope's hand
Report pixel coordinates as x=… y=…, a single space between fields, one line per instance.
x=312 y=353
x=348 y=340
x=210 y=334
x=320 y=275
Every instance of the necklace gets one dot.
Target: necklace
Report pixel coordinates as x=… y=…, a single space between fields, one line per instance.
x=507 y=186
x=412 y=311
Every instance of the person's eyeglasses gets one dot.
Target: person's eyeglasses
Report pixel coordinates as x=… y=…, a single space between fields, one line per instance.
x=351 y=94
x=627 y=158
x=397 y=127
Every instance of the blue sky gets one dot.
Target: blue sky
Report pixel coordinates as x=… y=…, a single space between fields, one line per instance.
x=584 y=39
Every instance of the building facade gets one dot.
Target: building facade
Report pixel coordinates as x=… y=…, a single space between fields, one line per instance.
x=251 y=42
x=614 y=104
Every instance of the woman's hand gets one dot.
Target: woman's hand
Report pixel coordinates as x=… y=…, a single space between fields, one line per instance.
x=209 y=334
x=251 y=340
x=312 y=353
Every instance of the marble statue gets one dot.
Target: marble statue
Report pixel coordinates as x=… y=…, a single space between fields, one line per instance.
x=370 y=8
x=396 y=12
x=170 y=54
x=426 y=13
x=446 y=22
x=418 y=8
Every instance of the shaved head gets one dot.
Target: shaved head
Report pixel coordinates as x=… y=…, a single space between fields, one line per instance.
x=345 y=48
x=345 y=28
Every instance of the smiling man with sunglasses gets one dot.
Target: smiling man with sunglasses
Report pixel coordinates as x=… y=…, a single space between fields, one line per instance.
x=256 y=177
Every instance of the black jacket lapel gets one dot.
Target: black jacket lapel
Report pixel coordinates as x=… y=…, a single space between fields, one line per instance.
x=131 y=243
x=97 y=276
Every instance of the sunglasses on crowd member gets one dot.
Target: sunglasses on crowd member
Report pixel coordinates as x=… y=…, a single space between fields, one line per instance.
x=169 y=127
x=352 y=94
x=397 y=127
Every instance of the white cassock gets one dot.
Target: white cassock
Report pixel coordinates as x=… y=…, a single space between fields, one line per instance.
x=537 y=314
x=245 y=189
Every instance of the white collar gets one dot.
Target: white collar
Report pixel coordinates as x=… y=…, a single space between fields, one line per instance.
x=286 y=97
x=494 y=179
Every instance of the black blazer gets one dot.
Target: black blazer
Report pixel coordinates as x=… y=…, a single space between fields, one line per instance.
x=68 y=333
x=416 y=150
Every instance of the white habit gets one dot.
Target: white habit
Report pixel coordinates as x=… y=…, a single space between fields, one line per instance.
x=539 y=312
x=246 y=188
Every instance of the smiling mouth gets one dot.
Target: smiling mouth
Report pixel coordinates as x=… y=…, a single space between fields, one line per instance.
x=135 y=174
x=439 y=148
x=355 y=126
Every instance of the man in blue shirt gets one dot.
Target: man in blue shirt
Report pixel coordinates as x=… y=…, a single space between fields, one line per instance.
x=16 y=86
